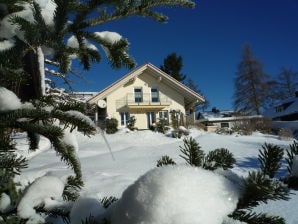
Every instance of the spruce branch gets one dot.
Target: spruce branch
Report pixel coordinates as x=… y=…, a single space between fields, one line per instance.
x=72 y=188
x=258 y=187
x=11 y=164
x=136 y=7
x=269 y=158
x=254 y=218
x=165 y=161
x=108 y=201
x=291 y=153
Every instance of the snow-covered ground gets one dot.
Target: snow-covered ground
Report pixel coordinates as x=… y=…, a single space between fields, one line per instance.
x=136 y=153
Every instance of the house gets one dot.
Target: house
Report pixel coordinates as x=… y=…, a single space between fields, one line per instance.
x=285 y=114
x=215 y=119
x=286 y=110
x=148 y=94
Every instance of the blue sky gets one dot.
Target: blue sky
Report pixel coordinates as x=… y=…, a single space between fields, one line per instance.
x=209 y=38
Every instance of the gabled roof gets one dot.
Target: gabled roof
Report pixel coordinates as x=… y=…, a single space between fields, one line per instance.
x=189 y=95
x=284 y=108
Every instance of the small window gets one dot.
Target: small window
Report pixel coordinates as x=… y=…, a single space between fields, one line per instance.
x=154 y=95
x=138 y=95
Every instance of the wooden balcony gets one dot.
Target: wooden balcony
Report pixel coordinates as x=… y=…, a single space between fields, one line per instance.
x=144 y=101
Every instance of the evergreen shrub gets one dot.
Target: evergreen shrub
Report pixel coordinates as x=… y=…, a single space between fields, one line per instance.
x=131 y=123
x=111 y=125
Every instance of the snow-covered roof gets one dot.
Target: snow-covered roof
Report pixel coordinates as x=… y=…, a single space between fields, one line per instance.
x=225 y=115
x=284 y=108
x=83 y=95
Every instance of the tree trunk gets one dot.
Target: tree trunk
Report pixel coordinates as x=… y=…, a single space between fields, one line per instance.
x=31 y=89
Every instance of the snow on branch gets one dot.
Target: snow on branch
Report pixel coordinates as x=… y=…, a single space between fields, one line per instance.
x=43 y=192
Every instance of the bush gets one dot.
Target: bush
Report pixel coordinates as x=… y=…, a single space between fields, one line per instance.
x=285 y=133
x=224 y=131
x=162 y=126
x=219 y=158
x=246 y=127
x=131 y=123
x=111 y=125
x=179 y=132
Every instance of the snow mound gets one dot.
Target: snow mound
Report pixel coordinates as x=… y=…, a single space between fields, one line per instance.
x=9 y=100
x=175 y=195
x=4 y=203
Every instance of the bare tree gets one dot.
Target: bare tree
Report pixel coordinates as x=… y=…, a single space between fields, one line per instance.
x=251 y=84
x=192 y=85
x=287 y=83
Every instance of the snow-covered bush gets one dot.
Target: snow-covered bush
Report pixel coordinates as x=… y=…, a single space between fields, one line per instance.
x=180 y=131
x=131 y=123
x=285 y=133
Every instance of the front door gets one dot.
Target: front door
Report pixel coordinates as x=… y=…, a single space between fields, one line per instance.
x=151 y=119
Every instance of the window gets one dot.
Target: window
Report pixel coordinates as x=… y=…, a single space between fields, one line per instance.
x=124 y=118
x=224 y=125
x=138 y=95
x=154 y=95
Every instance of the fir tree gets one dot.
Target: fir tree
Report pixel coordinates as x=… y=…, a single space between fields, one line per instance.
x=21 y=119
x=72 y=19
x=172 y=65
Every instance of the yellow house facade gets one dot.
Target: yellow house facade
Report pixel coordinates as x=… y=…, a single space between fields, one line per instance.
x=148 y=94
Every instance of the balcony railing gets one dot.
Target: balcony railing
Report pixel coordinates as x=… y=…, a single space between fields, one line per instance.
x=145 y=99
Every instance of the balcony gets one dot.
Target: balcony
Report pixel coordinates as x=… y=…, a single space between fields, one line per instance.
x=143 y=101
